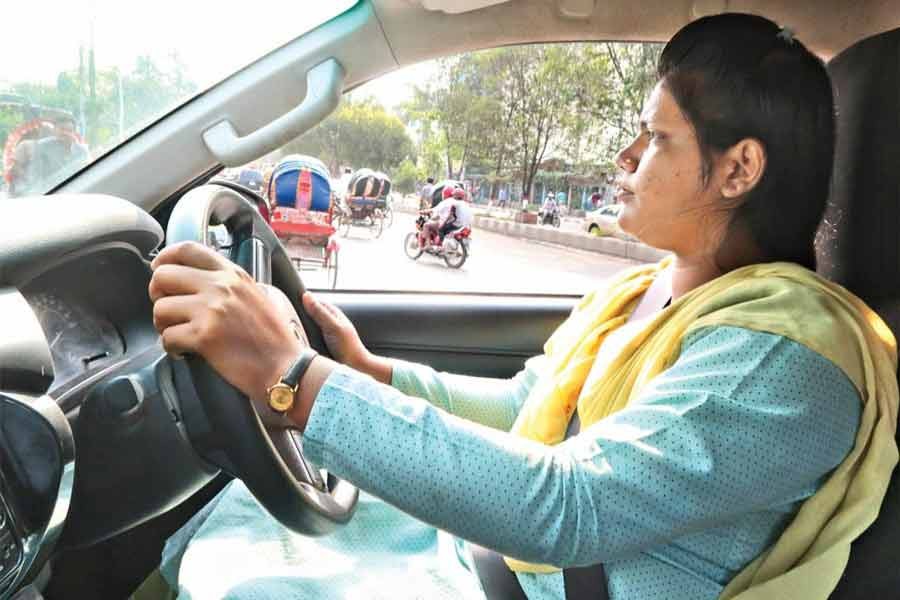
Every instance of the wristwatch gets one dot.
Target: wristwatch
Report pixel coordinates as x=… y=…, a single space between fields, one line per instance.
x=281 y=395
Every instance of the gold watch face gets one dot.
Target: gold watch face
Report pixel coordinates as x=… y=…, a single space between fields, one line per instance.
x=281 y=397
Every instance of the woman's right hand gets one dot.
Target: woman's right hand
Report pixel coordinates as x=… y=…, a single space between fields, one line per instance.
x=343 y=341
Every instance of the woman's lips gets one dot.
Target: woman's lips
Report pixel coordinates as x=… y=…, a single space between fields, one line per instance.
x=624 y=195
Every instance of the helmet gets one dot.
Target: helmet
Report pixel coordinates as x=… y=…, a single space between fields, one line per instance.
x=459 y=194
x=447 y=192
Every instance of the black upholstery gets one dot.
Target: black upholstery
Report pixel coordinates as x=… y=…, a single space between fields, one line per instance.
x=859 y=248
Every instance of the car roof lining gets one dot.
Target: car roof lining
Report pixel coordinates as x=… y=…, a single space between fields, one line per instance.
x=417 y=33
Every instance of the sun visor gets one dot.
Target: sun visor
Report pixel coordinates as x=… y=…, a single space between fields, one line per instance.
x=572 y=9
x=458 y=6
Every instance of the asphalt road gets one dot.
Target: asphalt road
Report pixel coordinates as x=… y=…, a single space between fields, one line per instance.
x=497 y=263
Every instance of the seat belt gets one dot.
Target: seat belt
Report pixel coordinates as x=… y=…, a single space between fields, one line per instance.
x=500 y=583
x=581 y=583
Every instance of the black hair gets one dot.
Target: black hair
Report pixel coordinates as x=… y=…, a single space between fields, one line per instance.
x=738 y=76
x=429 y=180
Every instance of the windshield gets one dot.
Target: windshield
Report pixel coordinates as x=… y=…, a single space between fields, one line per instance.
x=74 y=86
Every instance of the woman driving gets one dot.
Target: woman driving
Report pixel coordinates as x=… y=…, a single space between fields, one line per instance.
x=718 y=425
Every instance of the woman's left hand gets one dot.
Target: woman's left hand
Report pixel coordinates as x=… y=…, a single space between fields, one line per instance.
x=206 y=305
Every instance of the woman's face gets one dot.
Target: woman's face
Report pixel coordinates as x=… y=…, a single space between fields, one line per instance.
x=666 y=202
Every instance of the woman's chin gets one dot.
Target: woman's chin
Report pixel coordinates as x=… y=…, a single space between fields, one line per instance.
x=644 y=235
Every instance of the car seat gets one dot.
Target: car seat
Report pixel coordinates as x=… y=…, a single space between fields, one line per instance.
x=859 y=247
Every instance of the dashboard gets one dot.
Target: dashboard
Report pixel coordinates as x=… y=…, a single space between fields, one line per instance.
x=81 y=366
x=80 y=339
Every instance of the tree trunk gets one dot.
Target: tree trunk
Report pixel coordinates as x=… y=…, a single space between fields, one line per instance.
x=449 y=159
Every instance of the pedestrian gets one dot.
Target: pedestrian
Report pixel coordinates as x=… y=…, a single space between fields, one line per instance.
x=425 y=194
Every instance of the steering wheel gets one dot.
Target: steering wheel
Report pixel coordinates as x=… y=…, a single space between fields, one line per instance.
x=221 y=421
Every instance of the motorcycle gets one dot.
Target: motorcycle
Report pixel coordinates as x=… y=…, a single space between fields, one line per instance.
x=454 y=249
x=549 y=218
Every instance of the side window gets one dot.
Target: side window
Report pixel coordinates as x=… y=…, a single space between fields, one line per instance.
x=431 y=178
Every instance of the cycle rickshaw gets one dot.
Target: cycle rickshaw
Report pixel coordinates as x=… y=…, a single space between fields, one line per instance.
x=302 y=209
x=364 y=203
x=384 y=199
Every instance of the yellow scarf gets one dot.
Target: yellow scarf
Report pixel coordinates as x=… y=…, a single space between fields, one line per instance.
x=780 y=298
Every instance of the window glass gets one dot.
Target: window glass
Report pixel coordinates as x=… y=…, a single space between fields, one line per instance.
x=78 y=84
x=527 y=135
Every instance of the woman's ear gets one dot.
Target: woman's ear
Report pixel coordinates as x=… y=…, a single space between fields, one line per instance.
x=744 y=165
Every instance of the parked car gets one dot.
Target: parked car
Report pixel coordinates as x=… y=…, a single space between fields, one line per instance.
x=605 y=221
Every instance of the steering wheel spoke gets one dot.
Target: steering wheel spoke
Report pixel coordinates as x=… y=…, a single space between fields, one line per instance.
x=259 y=260
x=289 y=443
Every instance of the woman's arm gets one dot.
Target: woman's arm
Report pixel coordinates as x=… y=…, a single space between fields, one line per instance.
x=725 y=432
x=491 y=402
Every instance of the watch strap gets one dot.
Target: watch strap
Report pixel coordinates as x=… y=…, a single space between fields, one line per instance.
x=296 y=371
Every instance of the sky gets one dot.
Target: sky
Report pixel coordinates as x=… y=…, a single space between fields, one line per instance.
x=395 y=88
x=122 y=30
x=212 y=38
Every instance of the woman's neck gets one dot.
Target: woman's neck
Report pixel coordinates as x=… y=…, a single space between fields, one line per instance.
x=689 y=272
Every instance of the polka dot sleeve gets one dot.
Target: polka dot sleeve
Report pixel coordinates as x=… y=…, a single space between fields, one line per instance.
x=491 y=402
x=742 y=421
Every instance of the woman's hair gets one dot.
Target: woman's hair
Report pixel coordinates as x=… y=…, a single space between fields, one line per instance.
x=737 y=76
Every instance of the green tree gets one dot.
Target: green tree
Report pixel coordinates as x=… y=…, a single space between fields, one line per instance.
x=499 y=142
x=541 y=87
x=405 y=176
x=615 y=80
x=360 y=134
x=456 y=108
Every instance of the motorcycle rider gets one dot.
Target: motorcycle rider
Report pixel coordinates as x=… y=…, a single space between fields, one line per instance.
x=443 y=212
x=452 y=213
x=549 y=208
x=462 y=212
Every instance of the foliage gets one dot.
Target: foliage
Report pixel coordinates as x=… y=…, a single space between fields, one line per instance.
x=615 y=81
x=358 y=134
x=455 y=110
x=508 y=110
x=405 y=177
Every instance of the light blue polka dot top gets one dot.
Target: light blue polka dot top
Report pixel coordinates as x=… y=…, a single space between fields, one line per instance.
x=675 y=494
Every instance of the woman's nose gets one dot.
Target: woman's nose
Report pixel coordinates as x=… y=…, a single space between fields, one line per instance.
x=626 y=160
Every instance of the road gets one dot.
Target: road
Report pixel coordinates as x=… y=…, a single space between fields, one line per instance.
x=497 y=263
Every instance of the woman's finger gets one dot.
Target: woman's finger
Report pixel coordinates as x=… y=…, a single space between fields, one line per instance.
x=190 y=254
x=174 y=310
x=179 y=340
x=316 y=310
x=176 y=280
x=333 y=310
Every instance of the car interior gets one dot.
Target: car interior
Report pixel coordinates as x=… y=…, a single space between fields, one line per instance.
x=108 y=446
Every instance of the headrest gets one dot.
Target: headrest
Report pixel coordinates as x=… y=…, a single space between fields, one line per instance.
x=858 y=245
